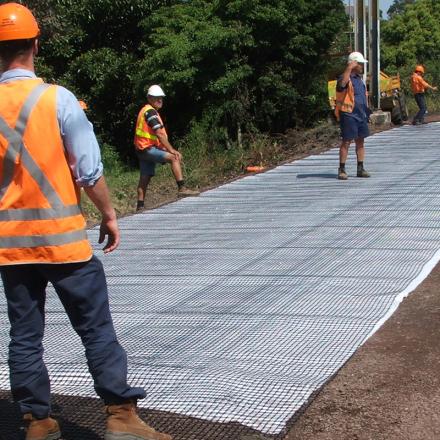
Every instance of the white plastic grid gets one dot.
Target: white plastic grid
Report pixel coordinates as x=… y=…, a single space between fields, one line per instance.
x=237 y=305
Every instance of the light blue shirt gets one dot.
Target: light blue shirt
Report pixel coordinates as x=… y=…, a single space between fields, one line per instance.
x=82 y=149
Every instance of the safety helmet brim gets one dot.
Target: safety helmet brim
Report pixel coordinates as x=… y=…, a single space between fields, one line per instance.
x=155 y=91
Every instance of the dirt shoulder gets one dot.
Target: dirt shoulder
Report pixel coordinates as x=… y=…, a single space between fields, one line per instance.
x=390 y=389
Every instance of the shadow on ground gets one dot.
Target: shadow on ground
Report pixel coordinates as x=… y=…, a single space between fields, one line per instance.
x=318 y=175
x=84 y=419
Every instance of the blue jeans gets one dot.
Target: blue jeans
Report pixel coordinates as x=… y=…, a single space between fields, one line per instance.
x=82 y=289
x=421 y=102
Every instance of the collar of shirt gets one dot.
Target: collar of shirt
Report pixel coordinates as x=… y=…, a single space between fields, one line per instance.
x=14 y=74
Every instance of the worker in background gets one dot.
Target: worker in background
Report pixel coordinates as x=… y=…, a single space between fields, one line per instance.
x=83 y=105
x=419 y=87
x=47 y=152
x=152 y=147
x=353 y=113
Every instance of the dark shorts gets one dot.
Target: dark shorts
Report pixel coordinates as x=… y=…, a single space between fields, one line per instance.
x=353 y=128
x=148 y=159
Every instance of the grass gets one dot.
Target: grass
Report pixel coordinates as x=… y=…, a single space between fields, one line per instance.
x=432 y=103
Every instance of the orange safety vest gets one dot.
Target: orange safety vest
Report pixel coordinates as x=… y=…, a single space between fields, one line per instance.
x=344 y=100
x=40 y=216
x=145 y=136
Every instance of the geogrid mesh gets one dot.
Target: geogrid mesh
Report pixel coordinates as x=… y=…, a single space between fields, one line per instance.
x=236 y=306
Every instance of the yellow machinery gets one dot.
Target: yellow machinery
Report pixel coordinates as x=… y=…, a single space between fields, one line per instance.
x=392 y=98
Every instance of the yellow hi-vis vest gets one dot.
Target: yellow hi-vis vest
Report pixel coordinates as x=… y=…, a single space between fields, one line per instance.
x=145 y=137
x=40 y=216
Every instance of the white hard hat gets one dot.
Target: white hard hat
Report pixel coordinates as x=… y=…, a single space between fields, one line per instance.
x=156 y=91
x=357 y=56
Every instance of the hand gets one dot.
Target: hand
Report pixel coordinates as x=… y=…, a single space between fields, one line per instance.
x=352 y=64
x=111 y=229
x=435 y=88
x=177 y=154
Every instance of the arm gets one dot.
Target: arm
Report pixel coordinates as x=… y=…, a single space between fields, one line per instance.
x=153 y=120
x=84 y=159
x=428 y=86
x=342 y=83
x=99 y=195
x=425 y=84
x=166 y=143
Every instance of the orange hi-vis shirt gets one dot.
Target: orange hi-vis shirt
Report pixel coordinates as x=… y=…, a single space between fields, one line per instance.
x=418 y=84
x=145 y=136
x=40 y=216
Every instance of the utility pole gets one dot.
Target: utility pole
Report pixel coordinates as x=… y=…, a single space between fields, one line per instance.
x=374 y=53
x=360 y=40
x=372 y=50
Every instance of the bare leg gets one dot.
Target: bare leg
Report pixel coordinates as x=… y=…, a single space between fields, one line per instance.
x=360 y=149
x=360 y=153
x=142 y=187
x=176 y=168
x=343 y=151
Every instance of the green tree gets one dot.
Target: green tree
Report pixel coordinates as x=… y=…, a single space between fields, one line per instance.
x=398 y=7
x=244 y=64
x=235 y=66
x=92 y=48
x=412 y=36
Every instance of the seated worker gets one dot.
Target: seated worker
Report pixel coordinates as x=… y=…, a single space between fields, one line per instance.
x=152 y=147
x=352 y=112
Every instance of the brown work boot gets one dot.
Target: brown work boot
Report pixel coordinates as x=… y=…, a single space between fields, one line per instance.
x=123 y=423
x=44 y=429
x=186 y=192
x=362 y=173
x=342 y=175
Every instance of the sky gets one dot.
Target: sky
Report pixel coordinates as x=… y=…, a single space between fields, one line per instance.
x=384 y=5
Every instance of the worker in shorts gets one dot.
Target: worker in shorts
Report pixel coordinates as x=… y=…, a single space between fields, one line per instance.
x=153 y=147
x=352 y=112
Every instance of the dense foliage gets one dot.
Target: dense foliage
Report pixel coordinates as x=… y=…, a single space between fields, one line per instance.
x=398 y=6
x=412 y=36
x=230 y=67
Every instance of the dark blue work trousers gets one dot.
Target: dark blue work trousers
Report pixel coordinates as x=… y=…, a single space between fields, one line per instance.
x=82 y=289
x=421 y=102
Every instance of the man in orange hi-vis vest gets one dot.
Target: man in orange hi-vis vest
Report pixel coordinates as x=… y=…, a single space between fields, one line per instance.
x=153 y=147
x=47 y=152
x=419 y=87
x=352 y=113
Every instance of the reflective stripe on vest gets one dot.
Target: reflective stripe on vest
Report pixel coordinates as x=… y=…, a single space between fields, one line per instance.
x=30 y=241
x=17 y=153
x=345 y=100
x=144 y=135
